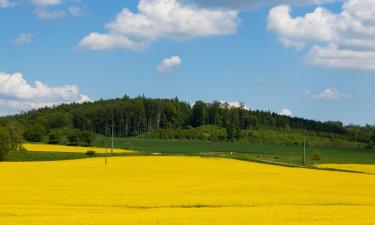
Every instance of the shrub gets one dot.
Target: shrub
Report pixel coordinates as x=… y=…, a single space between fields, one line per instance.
x=87 y=137
x=90 y=153
x=54 y=137
x=33 y=135
x=73 y=137
x=207 y=132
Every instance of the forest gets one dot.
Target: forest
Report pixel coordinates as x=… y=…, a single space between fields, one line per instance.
x=175 y=119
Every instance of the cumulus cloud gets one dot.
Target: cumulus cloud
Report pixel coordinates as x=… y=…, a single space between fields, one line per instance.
x=17 y=95
x=97 y=41
x=248 y=4
x=286 y=112
x=341 y=40
x=327 y=95
x=158 y=19
x=332 y=56
x=24 y=38
x=168 y=65
x=231 y=105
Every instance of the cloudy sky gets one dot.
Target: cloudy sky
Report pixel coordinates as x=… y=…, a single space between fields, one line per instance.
x=307 y=58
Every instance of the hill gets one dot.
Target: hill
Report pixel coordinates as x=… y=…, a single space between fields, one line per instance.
x=175 y=119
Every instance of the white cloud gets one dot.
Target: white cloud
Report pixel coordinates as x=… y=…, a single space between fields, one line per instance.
x=231 y=105
x=42 y=13
x=331 y=56
x=43 y=9
x=17 y=95
x=96 y=41
x=286 y=112
x=168 y=65
x=339 y=40
x=296 y=31
x=158 y=19
x=248 y=4
x=327 y=95
x=24 y=38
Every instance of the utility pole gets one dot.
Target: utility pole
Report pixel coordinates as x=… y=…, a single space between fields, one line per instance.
x=106 y=146
x=112 y=134
x=106 y=155
x=304 y=147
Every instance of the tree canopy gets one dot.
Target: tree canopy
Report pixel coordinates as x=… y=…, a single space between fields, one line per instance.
x=141 y=115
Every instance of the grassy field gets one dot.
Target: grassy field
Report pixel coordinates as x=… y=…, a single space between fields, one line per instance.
x=26 y=156
x=245 y=151
x=365 y=168
x=180 y=191
x=45 y=152
x=331 y=159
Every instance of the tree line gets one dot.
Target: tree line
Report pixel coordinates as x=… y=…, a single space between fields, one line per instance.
x=141 y=116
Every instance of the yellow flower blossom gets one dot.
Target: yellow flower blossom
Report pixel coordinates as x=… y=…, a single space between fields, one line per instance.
x=160 y=190
x=70 y=149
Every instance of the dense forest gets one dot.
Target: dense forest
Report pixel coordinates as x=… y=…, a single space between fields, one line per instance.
x=175 y=119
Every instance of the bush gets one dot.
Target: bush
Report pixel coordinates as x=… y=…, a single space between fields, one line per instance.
x=261 y=135
x=316 y=156
x=90 y=153
x=73 y=137
x=33 y=135
x=207 y=132
x=54 y=137
x=87 y=137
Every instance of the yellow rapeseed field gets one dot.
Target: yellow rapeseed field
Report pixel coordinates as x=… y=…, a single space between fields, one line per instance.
x=180 y=191
x=352 y=167
x=72 y=149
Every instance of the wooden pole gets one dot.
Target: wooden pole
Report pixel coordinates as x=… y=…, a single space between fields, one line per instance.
x=106 y=150
x=112 y=140
x=112 y=134
x=105 y=159
x=304 y=147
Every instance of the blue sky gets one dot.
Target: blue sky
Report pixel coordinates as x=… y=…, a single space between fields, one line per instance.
x=259 y=61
